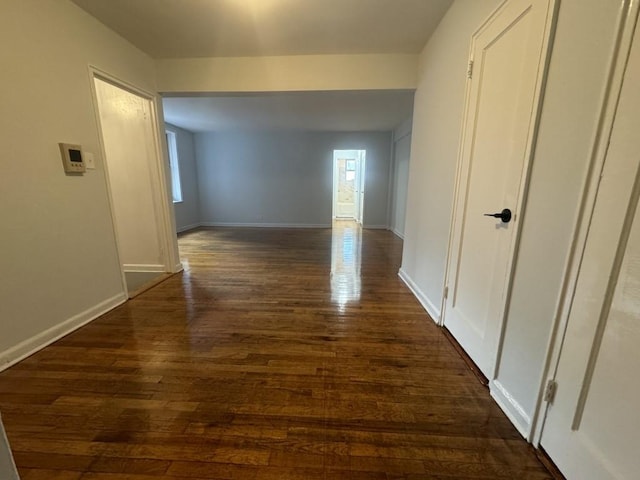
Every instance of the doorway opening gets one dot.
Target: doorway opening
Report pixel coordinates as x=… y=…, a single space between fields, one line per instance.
x=348 y=184
x=135 y=179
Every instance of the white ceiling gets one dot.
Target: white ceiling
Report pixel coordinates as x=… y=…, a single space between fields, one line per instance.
x=318 y=111
x=225 y=28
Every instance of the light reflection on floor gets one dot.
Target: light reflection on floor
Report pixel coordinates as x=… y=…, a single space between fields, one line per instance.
x=346 y=258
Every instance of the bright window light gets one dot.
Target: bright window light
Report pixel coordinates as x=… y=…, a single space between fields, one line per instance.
x=174 y=166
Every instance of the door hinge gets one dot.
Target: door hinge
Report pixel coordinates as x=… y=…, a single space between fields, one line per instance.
x=470 y=69
x=550 y=391
x=446 y=292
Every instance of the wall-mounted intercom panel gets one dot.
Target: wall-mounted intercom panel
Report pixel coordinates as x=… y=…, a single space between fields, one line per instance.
x=72 y=158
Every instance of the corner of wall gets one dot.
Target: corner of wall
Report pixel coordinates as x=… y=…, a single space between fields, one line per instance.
x=427 y=304
x=33 y=344
x=511 y=407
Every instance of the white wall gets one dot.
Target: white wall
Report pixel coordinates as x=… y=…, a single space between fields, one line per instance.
x=400 y=176
x=284 y=178
x=58 y=259
x=188 y=211
x=288 y=73
x=569 y=117
x=437 y=117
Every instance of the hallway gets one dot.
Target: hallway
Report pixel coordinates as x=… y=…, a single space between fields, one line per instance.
x=276 y=354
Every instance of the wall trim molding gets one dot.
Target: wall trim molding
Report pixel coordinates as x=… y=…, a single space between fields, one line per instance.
x=376 y=227
x=186 y=228
x=135 y=267
x=397 y=233
x=279 y=225
x=266 y=225
x=427 y=304
x=37 y=342
x=510 y=407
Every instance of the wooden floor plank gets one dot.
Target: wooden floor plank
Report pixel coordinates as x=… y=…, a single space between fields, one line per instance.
x=276 y=354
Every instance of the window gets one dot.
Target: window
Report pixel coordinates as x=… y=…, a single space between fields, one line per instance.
x=351 y=170
x=174 y=166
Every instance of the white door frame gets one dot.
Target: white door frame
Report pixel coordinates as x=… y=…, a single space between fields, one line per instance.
x=360 y=179
x=629 y=12
x=165 y=217
x=520 y=205
x=334 y=185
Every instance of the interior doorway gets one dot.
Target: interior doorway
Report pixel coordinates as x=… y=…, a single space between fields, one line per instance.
x=135 y=178
x=348 y=184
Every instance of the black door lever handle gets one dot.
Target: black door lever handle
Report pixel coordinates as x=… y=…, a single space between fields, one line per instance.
x=504 y=215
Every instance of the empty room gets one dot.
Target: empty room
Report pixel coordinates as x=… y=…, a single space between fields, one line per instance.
x=313 y=239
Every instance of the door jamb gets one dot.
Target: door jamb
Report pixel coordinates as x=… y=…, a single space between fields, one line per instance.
x=334 y=185
x=361 y=167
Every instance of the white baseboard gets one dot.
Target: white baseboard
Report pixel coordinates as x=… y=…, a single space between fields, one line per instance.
x=376 y=227
x=30 y=346
x=510 y=407
x=188 y=227
x=282 y=225
x=398 y=233
x=266 y=225
x=428 y=305
x=133 y=267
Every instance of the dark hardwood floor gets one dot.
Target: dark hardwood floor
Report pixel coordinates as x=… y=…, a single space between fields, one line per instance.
x=277 y=354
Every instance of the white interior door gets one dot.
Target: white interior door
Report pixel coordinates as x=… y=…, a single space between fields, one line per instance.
x=509 y=55
x=592 y=429
x=129 y=144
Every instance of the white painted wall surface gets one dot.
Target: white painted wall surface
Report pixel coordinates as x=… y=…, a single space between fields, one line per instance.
x=58 y=259
x=437 y=118
x=284 y=178
x=288 y=73
x=400 y=175
x=130 y=158
x=188 y=211
x=572 y=103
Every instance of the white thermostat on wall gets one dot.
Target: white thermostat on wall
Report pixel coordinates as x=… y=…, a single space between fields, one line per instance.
x=72 y=158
